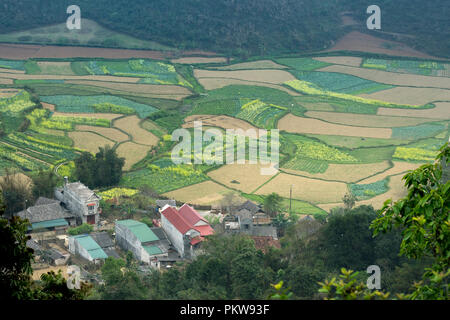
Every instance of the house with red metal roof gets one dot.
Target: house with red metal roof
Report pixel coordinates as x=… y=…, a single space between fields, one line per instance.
x=185 y=228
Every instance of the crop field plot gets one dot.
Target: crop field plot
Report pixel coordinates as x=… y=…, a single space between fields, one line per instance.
x=399 y=167
x=269 y=76
x=408 y=95
x=199 y=60
x=392 y=78
x=294 y=124
x=356 y=142
x=203 y=193
x=12 y=64
x=339 y=82
x=243 y=177
x=224 y=122
x=98 y=104
x=344 y=172
x=426 y=68
x=260 y=64
x=89 y=141
x=16 y=103
x=151 y=72
x=164 y=180
x=363 y=120
x=307 y=189
x=141 y=90
x=418 y=132
x=109 y=133
x=51 y=68
x=439 y=112
x=414 y=154
x=367 y=191
x=344 y=60
x=132 y=152
x=67 y=123
x=131 y=125
x=261 y=114
x=302 y=64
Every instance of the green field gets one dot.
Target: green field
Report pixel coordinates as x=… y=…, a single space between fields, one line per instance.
x=426 y=68
x=93 y=104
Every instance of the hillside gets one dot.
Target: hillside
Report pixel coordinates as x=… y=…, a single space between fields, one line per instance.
x=250 y=27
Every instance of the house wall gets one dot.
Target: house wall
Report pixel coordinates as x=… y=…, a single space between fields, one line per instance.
x=129 y=242
x=78 y=207
x=175 y=236
x=76 y=248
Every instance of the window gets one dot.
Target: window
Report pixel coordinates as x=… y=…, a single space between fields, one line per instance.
x=91 y=207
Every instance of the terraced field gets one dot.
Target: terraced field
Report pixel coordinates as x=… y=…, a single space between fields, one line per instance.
x=348 y=124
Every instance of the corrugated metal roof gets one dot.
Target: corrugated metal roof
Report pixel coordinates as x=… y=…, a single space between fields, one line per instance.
x=49 y=224
x=140 y=230
x=152 y=250
x=95 y=251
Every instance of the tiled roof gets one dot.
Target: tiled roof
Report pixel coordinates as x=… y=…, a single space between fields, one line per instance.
x=205 y=230
x=103 y=239
x=49 y=224
x=82 y=192
x=42 y=200
x=45 y=212
x=176 y=219
x=190 y=215
x=152 y=250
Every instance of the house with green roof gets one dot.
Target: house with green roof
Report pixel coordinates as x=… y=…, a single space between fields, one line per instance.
x=85 y=246
x=146 y=244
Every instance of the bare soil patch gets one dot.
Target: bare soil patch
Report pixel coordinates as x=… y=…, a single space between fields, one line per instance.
x=204 y=193
x=307 y=189
x=399 y=167
x=132 y=152
x=244 y=177
x=398 y=79
x=269 y=76
x=109 y=116
x=260 y=64
x=110 y=133
x=440 y=112
x=291 y=123
x=365 y=120
x=357 y=41
x=89 y=141
x=194 y=60
x=408 y=95
x=345 y=172
x=131 y=126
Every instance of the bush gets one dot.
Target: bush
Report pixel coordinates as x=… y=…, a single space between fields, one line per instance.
x=84 y=228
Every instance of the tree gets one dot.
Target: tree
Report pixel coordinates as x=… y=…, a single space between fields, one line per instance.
x=16 y=271
x=272 y=204
x=424 y=216
x=105 y=169
x=16 y=192
x=44 y=184
x=121 y=281
x=349 y=200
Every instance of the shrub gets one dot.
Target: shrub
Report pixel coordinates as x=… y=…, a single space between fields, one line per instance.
x=82 y=229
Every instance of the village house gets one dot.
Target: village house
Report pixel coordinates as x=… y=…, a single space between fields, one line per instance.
x=86 y=247
x=81 y=201
x=93 y=247
x=47 y=215
x=147 y=245
x=185 y=228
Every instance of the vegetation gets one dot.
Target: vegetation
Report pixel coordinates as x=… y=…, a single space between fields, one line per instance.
x=102 y=170
x=82 y=229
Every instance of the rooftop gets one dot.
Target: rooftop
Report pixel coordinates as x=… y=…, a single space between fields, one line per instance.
x=88 y=243
x=139 y=229
x=45 y=212
x=83 y=192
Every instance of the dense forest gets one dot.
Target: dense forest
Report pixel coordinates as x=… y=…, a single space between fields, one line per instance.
x=246 y=27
